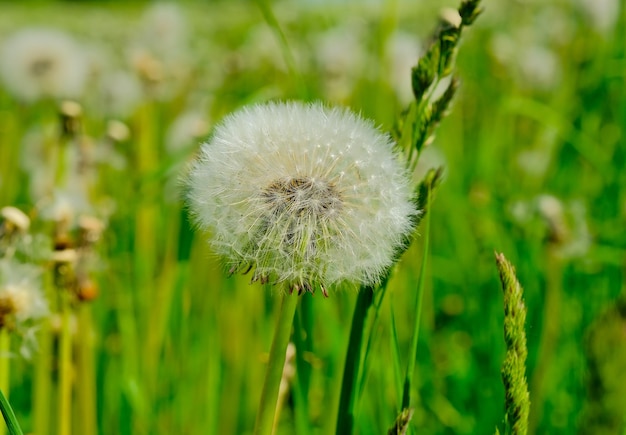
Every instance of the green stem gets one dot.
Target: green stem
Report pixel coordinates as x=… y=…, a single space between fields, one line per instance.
x=410 y=369
x=5 y=367
x=65 y=368
x=351 y=369
x=541 y=383
x=9 y=416
x=271 y=21
x=42 y=387
x=86 y=389
x=273 y=375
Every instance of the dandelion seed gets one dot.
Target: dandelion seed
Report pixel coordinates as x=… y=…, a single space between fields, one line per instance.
x=38 y=63
x=306 y=195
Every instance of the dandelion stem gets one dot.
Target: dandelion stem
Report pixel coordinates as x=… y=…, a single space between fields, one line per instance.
x=9 y=416
x=273 y=375
x=65 y=369
x=86 y=389
x=5 y=368
x=352 y=367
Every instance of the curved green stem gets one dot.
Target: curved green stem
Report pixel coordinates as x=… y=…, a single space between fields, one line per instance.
x=273 y=375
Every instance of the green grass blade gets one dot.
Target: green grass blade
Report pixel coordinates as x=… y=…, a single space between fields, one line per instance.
x=9 y=416
x=395 y=355
x=406 y=395
x=352 y=366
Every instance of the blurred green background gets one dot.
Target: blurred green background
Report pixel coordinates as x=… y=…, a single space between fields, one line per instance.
x=534 y=160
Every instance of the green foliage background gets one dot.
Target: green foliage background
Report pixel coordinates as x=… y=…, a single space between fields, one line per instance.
x=179 y=347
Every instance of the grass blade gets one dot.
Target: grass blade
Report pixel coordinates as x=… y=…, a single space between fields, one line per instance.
x=9 y=416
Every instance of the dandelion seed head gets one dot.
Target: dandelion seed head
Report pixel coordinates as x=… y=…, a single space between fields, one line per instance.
x=37 y=63
x=21 y=298
x=304 y=194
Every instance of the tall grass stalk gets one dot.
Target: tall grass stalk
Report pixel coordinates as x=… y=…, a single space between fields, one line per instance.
x=269 y=394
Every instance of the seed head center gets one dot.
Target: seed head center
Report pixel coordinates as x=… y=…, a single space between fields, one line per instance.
x=41 y=67
x=302 y=196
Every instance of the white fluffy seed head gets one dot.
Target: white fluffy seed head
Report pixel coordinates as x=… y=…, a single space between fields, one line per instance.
x=304 y=194
x=21 y=298
x=37 y=63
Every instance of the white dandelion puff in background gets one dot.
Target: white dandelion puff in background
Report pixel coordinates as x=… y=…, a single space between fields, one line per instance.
x=303 y=194
x=37 y=63
x=21 y=296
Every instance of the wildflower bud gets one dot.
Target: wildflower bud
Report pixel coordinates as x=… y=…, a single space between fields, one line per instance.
x=87 y=290
x=70 y=112
x=91 y=229
x=307 y=195
x=14 y=218
x=117 y=131
x=65 y=256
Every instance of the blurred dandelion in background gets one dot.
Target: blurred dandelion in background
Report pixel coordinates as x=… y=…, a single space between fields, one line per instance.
x=22 y=302
x=304 y=194
x=37 y=63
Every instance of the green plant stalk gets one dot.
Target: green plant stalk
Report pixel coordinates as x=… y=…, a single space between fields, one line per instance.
x=9 y=416
x=410 y=369
x=85 y=387
x=301 y=383
x=373 y=329
x=274 y=372
x=146 y=213
x=8 y=152
x=5 y=365
x=65 y=368
x=352 y=366
x=540 y=384
x=272 y=22
x=42 y=388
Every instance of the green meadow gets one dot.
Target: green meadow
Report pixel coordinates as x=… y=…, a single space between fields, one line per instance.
x=146 y=333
